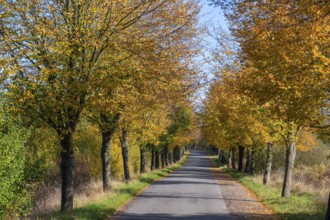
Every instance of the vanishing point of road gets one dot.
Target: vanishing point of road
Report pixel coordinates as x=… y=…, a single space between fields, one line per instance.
x=190 y=193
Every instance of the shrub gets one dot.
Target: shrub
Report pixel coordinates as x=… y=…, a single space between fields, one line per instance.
x=14 y=199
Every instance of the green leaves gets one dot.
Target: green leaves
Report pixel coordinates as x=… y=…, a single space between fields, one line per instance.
x=13 y=196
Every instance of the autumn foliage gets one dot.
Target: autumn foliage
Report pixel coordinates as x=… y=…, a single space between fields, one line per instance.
x=272 y=78
x=118 y=69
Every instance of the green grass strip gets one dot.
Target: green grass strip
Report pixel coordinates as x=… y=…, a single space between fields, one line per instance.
x=105 y=207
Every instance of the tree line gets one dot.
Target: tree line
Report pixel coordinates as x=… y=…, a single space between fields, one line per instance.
x=124 y=66
x=271 y=83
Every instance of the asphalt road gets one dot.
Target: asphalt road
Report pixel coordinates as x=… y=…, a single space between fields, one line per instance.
x=190 y=192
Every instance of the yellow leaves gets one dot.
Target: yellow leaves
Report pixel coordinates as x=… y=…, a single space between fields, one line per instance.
x=28 y=94
x=113 y=56
x=232 y=117
x=286 y=56
x=306 y=141
x=279 y=78
x=145 y=122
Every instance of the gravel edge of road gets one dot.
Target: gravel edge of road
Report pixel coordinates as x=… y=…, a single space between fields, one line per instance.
x=242 y=202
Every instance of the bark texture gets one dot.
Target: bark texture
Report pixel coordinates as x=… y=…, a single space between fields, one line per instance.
x=222 y=157
x=268 y=163
x=327 y=215
x=247 y=162
x=230 y=159
x=152 y=166
x=166 y=161
x=170 y=157
x=176 y=154
x=124 y=150
x=240 y=157
x=142 y=159
x=157 y=164
x=233 y=159
x=253 y=159
x=106 y=160
x=108 y=127
x=162 y=159
x=67 y=173
x=289 y=163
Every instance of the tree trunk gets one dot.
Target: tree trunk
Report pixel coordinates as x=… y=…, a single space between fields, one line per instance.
x=175 y=158
x=170 y=158
x=108 y=127
x=289 y=163
x=222 y=157
x=157 y=159
x=327 y=215
x=240 y=157
x=178 y=154
x=106 y=159
x=142 y=160
x=233 y=161
x=268 y=163
x=124 y=150
x=152 y=166
x=230 y=159
x=253 y=159
x=248 y=159
x=162 y=157
x=67 y=173
x=219 y=154
x=166 y=155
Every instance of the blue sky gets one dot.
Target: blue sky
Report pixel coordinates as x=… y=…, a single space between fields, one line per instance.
x=212 y=17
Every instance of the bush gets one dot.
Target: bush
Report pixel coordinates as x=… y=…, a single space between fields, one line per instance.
x=14 y=199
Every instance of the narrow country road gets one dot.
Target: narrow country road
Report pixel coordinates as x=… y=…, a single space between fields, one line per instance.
x=191 y=193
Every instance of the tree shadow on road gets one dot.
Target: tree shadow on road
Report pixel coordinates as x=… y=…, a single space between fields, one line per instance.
x=207 y=216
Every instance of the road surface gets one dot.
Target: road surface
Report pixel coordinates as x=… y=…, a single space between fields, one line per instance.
x=190 y=192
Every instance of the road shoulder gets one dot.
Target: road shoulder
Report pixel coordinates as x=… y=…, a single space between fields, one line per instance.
x=240 y=201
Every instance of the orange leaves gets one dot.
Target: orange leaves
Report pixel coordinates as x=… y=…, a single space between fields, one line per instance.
x=306 y=141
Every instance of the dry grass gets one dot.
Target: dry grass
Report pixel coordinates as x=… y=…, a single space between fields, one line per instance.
x=91 y=203
x=312 y=180
x=50 y=197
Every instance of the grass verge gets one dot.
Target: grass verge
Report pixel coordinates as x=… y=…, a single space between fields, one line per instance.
x=299 y=206
x=120 y=195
